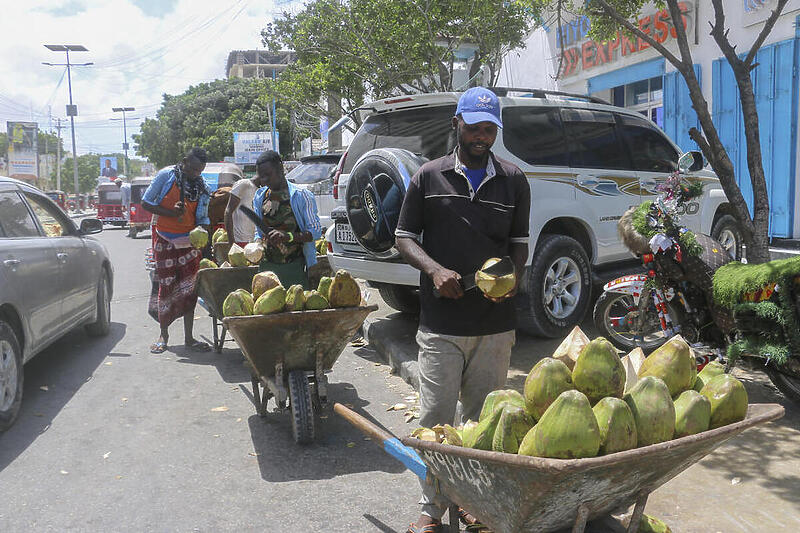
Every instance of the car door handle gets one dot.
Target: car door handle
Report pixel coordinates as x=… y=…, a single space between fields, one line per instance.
x=62 y=257
x=589 y=182
x=11 y=263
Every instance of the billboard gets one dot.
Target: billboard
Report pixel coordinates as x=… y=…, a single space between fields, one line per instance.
x=248 y=145
x=108 y=166
x=23 y=150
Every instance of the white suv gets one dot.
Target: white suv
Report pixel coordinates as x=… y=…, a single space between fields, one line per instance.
x=586 y=163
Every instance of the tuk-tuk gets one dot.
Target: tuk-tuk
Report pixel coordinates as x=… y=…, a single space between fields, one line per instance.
x=138 y=218
x=59 y=197
x=109 y=205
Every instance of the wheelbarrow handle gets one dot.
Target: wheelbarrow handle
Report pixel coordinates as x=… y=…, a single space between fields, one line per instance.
x=391 y=444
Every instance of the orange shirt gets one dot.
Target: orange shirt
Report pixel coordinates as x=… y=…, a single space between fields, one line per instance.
x=183 y=224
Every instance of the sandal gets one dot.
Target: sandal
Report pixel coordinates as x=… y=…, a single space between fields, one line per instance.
x=198 y=346
x=158 y=347
x=470 y=521
x=430 y=528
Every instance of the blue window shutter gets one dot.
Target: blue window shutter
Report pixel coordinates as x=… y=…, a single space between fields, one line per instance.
x=679 y=115
x=775 y=87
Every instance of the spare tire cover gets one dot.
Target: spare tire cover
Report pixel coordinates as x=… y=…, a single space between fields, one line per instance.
x=375 y=194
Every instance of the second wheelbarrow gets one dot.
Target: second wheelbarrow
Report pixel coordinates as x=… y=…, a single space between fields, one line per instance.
x=213 y=286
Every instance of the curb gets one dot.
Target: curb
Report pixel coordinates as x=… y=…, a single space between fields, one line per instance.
x=392 y=352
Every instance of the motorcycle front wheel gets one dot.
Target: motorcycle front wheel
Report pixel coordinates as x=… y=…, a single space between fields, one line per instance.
x=613 y=319
x=787 y=384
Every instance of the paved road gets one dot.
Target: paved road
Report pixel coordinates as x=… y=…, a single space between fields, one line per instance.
x=112 y=438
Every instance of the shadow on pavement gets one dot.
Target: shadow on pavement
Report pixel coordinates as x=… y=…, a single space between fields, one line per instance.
x=379 y=525
x=62 y=368
x=229 y=363
x=339 y=448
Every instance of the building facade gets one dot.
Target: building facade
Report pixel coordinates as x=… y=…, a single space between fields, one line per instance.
x=257 y=63
x=629 y=73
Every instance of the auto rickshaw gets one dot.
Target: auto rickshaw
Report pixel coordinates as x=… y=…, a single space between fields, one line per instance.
x=59 y=197
x=138 y=217
x=109 y=205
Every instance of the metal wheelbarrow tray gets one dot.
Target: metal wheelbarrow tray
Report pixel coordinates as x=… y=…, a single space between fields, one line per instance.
x=513 y=493
x=289 y=354
x=213 y=286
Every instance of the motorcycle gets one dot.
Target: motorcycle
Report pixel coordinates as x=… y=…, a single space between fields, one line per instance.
x=726 y=310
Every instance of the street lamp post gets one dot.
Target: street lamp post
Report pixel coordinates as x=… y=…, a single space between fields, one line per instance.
x=72 y=109
x=125 y=133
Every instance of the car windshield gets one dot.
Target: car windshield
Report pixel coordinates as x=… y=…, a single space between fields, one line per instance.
x=310 y=172
x=110 y=196
x=425 y=131
x=137 y=191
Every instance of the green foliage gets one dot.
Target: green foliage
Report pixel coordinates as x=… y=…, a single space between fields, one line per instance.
x=356 y=50
x=207 y=115
x=48 y=143
x=733 y=280
x=686 y=239
x=88 y=170
x=778 y=353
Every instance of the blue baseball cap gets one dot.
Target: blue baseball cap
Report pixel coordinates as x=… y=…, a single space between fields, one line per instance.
x=479 y=104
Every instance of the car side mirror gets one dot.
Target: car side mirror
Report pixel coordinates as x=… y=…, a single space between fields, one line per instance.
x=691 y=161
x=90 y=226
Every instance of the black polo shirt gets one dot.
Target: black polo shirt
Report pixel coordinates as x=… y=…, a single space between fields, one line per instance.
x=460 y=229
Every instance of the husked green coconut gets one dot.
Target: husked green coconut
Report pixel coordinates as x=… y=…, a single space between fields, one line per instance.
x=344 y=291
x=512 y=427
x=692 y=413
x=238 y=303
x=651 y=524
x=295 y=299
x=567 y=430
x=236 y=256
x=653 y=411
x=481 y=437
x=617 y=426
x=598 y=371
x=219 y=236
x=324 y=286
x=570 y=348
x=497 y=399
x=207 y=263
x=254 y=251
x=198 y=237
x=272 y=301
x=728 y=399
x=264 y=281
x=709 y=372
x=315 y=301
x=673 y=364
x=545 y=382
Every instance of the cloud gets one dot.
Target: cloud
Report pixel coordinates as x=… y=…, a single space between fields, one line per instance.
x=141 y=49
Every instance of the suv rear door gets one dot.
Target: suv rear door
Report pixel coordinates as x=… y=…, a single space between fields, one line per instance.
x=606 y=185
x=31 y=270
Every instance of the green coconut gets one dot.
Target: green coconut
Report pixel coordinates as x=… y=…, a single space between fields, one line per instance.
x=344 y=291
x=497 y=399
x=295 y=299
x=272 y=301
x=598 y=371
x=653 y=411
x=709 y=372
x=567 y=430
x=481 y=437
x=728 y=399
x=207 y=263
x=545 y=382
x=512 y=427
x=692 y=413
x=198 y=237
x=238 y=303
x=673 y=364
x=315 y=301
x=617 y=426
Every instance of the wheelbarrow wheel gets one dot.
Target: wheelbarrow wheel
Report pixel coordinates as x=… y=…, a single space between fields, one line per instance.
x=302 y=408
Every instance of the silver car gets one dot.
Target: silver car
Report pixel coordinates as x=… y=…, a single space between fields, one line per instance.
x=53 y=278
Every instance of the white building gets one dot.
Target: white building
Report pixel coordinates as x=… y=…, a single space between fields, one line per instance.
x=629 y=73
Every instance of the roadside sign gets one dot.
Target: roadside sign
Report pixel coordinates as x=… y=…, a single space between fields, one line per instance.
x=247 y=146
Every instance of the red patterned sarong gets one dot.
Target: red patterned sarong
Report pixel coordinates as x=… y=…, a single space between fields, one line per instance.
x=175 y=273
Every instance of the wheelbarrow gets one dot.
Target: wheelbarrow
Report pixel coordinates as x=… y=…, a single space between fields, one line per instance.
x=213 y=286
x=511 y=493
x=289 y=354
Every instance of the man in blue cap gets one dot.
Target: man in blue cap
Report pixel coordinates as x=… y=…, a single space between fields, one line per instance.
x=459 y=211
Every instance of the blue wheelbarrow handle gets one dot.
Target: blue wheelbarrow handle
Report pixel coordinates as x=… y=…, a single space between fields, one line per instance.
x=391 y=444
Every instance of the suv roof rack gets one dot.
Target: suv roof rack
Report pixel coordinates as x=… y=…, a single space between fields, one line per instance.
x=543 y=93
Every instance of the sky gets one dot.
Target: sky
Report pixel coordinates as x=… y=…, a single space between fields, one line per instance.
x=141 y=49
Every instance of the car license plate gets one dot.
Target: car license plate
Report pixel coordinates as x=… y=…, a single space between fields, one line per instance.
x=344 y=234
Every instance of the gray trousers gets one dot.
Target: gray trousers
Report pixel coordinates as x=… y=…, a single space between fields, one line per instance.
x=453 y=368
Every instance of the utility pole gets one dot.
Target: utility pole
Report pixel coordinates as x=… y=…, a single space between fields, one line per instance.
x=72 y=109
x=125 y=134
x=58 y=156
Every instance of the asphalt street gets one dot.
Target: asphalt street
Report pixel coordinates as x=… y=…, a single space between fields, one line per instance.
x=113 y=438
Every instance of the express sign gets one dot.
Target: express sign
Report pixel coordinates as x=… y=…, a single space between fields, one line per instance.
x=579 y=54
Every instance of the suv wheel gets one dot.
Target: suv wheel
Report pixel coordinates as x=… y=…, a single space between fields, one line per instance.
x=10 y=376
x=403 y=298
x=559 y=287
x=727 y=232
